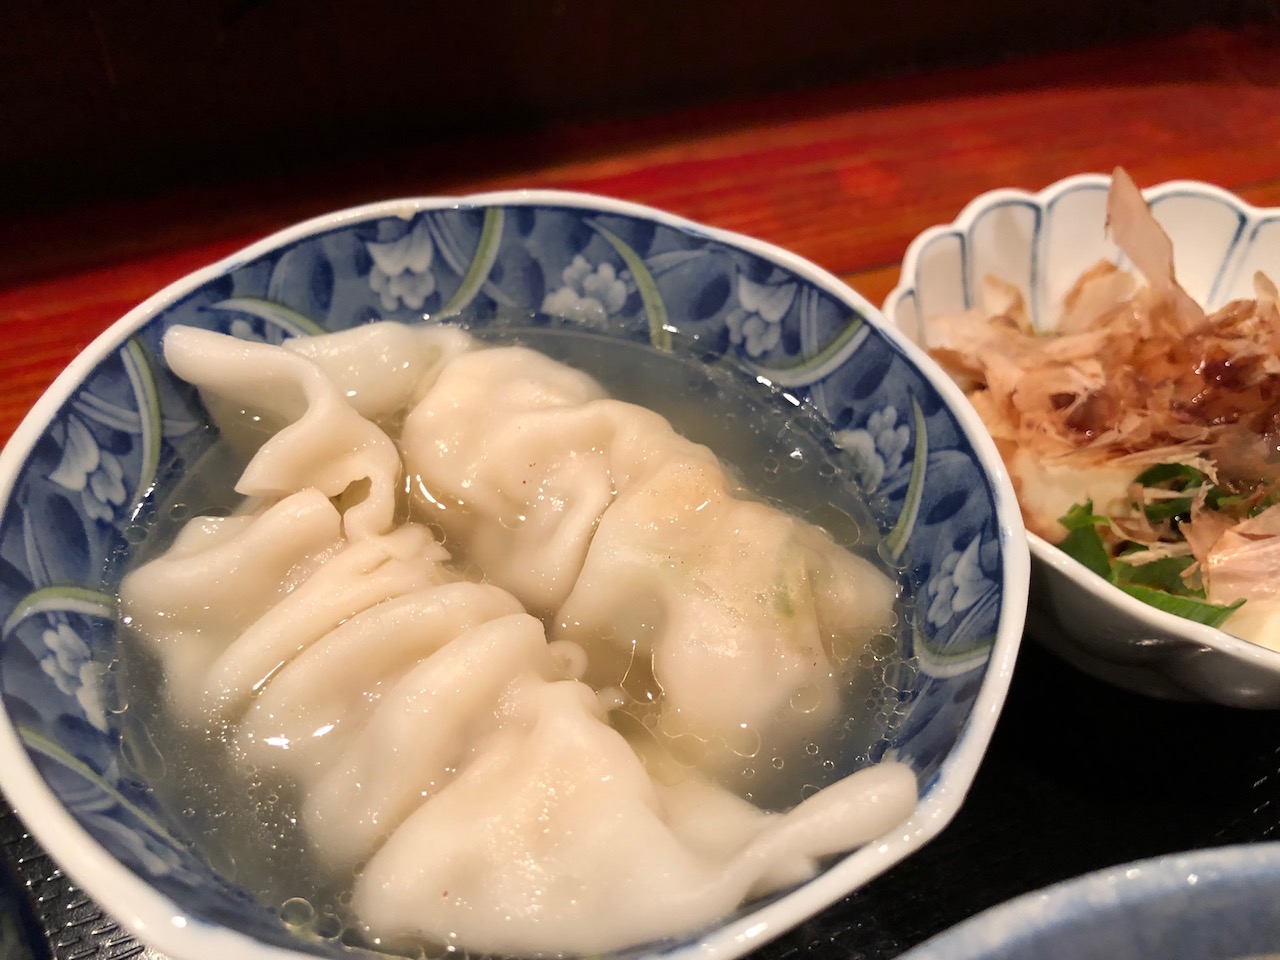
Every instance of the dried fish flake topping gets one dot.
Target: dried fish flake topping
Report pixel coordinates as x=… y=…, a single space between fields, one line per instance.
x=1135 y=375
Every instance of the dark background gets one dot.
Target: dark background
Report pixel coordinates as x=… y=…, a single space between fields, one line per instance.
x=129 y=97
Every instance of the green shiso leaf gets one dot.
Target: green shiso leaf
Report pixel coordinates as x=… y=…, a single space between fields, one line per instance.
x=1158 y=583
x=1190 y=608
x=1163 y=574
x=1184 y=475
x=1083 y=542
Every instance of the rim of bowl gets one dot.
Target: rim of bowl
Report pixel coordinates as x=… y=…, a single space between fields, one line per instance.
x=1103 y=893
x=1042 y=550
x=159 y=922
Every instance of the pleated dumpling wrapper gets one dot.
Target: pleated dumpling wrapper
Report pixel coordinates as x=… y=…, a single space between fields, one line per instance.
x=460 y=765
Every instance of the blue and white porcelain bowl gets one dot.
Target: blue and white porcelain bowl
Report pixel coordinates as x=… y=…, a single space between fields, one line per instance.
x=1221 y=904
x=1041 y=243
x=117 y=430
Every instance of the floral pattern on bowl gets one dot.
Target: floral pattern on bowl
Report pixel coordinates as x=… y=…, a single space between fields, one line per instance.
x=85 y=473
x=1041 y=243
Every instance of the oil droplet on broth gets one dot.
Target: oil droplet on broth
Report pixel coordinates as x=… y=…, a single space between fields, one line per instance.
x=640 y=684
x=328 y=926
x=883 y=646
x=511 y=520
x=899 y=676
x=842 y=649
x=687 y=749
x=807 y=699
x=297 y=912
x=743 y=740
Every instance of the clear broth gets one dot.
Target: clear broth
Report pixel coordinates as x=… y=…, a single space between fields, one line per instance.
x=246 y=821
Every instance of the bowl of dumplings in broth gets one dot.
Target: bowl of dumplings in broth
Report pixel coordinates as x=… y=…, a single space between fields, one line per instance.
x=526 y=574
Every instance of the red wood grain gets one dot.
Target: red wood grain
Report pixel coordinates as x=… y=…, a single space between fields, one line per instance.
x=844 y=176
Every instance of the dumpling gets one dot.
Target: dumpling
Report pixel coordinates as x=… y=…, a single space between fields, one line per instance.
x=427 y=725
x=634 y=543
x=738 y=617
x=509 y=454
x=572 y=847
x=308 y=408
x=460 y=764
x=238 y=597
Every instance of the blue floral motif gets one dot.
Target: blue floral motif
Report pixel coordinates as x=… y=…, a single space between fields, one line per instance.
x=590 y=295
x=756 y=323
x=958 y=585
x=154 y=854
x=85 y=468
x=243 y=329
x=877 y=449
x=68 y=660
x=401 y=272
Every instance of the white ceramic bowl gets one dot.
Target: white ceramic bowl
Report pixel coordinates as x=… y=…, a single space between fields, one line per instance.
x=117 y=430
x=1041 y=243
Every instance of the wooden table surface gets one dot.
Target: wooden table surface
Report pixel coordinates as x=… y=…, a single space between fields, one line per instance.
x=843 y=176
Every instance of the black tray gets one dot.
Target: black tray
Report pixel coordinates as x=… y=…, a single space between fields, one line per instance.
x=1079 y=776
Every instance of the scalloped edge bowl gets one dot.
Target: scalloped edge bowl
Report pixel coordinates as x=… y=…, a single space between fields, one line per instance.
x=1042 y=242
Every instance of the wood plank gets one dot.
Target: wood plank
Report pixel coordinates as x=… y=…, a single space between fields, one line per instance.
x=133 y=93
x=843 y=176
